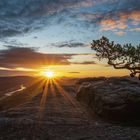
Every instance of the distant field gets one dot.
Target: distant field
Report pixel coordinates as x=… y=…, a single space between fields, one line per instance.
x=12 y=83
x=34 y=86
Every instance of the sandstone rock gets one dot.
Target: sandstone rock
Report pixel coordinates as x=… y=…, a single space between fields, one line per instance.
x=115 y=98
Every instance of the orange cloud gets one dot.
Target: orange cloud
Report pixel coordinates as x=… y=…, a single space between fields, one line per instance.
x=133 y=15
x=121 y=22
x=111 y=24
x=120 y=33
x=135 y=29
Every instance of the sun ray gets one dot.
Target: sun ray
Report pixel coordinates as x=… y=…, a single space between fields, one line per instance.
x=23 y=97
x=64 y=93
x=38 y=87
x=43 y=98
x=54 y=91
x=52 y=88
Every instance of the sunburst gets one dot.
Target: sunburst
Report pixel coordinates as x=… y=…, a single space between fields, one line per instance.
x=48 y=74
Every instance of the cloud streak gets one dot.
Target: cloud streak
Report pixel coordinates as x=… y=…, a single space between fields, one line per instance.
x=84 y=63
x=28 y=59
x=14 y=57
x=70 y=44
x=74 y=72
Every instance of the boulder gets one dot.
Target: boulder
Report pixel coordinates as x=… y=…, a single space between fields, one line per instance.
x=114 y=98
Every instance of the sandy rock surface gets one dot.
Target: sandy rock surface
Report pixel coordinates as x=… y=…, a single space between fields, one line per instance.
x=116 y=98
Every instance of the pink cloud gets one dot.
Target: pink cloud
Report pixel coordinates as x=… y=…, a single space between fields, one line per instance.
x=120 y=33
x=121 y=22
x=111 y=24
x=135 y=29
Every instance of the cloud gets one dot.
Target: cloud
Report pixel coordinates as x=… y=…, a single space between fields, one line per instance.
x=37 y=8
x=70 y=44
x=117 y=21
x=121 y=21
x=120 y=33
x=84 y=63
x=24 y=16
x=111 y=24
x=15 y=72
x=14 y=57
x=116 y=16
x=13 y=42
x=28 y=59
x=74 y=72
x=135 y=29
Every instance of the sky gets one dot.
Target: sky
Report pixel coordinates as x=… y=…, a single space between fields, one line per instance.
x=56 y=35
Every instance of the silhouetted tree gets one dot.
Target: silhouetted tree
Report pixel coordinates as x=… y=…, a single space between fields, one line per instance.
x=120 y=57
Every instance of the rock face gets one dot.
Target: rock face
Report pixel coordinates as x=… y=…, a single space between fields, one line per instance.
x=114 y=98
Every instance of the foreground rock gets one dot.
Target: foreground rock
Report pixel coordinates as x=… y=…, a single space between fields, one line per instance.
x=60 y=117
x=115 y=98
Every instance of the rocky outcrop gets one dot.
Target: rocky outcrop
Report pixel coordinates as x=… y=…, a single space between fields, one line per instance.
x=115 y=98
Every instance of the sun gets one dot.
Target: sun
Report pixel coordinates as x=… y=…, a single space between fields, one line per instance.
x=49 y=74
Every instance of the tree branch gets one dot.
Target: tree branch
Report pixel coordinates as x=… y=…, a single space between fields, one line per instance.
x=120 y=57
